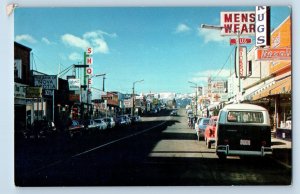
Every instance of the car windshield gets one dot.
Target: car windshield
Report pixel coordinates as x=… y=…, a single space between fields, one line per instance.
x=205 y=121
x=74 y=123
x=97 y=120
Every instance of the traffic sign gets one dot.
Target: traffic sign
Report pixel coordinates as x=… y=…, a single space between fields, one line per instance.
x=242 y=41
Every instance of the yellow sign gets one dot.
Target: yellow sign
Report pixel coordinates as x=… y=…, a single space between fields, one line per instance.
x=33 y=92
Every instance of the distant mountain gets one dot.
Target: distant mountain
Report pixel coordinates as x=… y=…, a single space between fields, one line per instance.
x=181 y=99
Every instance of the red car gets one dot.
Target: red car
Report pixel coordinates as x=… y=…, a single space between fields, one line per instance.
x=209 y=135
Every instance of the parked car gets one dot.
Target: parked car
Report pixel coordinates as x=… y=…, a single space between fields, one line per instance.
x=75 y=128
x=91 y=125
x=110 y=122
x=200 y=127
x=101 y=123
x=40 y=129
x=210 y=130
x=135 y=118
x=243 y=130
x=127 y=119
x=174 y=113
x=120 y=121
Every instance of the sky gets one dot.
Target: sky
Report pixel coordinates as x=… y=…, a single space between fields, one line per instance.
x=164 y=46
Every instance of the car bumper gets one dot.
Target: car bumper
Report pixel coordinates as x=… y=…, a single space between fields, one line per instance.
x=224 y=149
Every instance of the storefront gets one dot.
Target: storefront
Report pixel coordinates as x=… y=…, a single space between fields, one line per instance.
x=278 y=92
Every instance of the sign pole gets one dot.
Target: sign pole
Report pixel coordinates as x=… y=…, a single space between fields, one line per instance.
x=239 y=68
x=53 y=105
x=84 y=79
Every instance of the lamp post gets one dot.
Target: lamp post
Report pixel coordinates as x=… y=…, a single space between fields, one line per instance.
x=132 y=110
x=88 y=86
x=196 y=97
x=238 y=34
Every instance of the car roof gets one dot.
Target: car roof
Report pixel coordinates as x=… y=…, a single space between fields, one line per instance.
x=243 y=107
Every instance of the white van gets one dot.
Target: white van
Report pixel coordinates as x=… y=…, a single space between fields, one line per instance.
x=243 y=129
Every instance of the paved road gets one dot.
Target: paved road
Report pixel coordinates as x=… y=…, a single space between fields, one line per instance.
x=161 y=152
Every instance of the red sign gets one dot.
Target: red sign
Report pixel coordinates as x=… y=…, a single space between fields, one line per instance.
x=241 y=61
x=273 y=54
x=74 y=97
x=242 y=41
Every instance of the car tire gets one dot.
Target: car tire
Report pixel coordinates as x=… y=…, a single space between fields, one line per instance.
x=208 y=144
x=222 y=156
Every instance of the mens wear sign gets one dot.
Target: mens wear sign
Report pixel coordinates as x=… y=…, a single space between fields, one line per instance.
x=234 y=22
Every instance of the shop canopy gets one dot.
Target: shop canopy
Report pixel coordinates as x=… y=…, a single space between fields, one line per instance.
x=282 y=86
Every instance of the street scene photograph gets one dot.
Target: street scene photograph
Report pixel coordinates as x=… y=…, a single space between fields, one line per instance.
x=153 y=96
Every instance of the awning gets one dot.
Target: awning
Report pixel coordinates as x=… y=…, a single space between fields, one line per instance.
x=282 y=86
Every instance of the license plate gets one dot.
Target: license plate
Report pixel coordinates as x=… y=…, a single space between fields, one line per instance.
x=245 y=142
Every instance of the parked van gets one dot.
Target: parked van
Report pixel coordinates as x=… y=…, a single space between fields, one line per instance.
x=243 y=130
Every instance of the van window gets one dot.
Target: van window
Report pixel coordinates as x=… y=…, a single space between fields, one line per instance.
x=245 y=117
x=222 y=117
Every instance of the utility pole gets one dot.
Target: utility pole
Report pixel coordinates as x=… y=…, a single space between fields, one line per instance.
x=196 y=97
x=132 y=110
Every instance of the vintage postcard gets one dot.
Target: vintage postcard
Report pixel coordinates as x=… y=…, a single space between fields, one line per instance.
x=153 y=96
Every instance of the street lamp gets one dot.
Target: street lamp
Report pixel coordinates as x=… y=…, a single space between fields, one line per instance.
x=132 y=110
x=238 y=34
x=88 y=86
x=196 y=98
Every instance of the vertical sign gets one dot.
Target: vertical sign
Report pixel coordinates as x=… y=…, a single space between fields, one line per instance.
x=241 y=62
x=89 y=60
x=89 y=71
x=262 y=26
x=89 y=51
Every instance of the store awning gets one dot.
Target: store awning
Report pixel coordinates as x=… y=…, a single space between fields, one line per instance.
x=280 y=87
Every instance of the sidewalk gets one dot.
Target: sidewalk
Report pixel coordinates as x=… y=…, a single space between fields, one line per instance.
x=280 y=143
x=282 y=151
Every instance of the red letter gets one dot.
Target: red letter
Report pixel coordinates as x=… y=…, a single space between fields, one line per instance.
x=227 y=18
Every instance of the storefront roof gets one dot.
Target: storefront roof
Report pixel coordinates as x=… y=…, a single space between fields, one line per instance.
x=282 y=86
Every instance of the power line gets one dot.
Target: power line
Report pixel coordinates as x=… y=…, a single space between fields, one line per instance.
x=224 y=64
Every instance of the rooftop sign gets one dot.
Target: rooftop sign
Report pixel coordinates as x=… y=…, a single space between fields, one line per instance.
x=48 y=82
x=233 y=22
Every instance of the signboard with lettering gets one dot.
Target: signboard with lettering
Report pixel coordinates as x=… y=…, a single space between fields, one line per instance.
x=238 y=21
x=218 y=86
x=262 y=20
x=89 y=71
x=74 y=84
x=33 y=92
x=128 y=103
x=48 y=92
x=74 y=97
x=241 y=62
x=233 y=41
x=46 y=81
x=273 y=54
